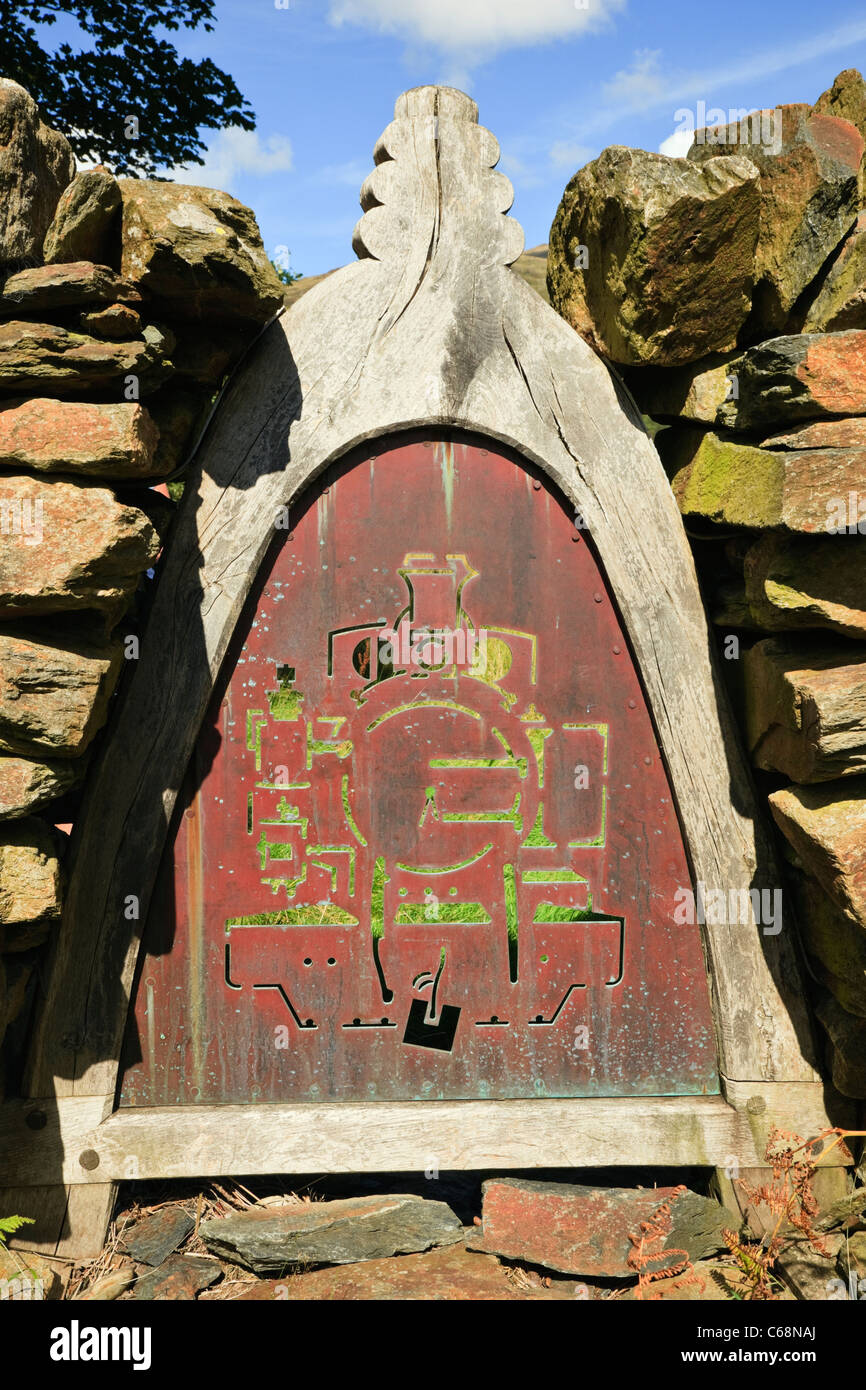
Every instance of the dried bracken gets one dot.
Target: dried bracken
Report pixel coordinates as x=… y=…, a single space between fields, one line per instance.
x=649 y=1249
x=789 y=1197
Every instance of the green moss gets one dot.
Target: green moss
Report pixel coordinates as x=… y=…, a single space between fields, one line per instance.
x=733 y=483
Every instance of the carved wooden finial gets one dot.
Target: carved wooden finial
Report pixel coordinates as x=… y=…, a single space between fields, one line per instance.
x=434 y=196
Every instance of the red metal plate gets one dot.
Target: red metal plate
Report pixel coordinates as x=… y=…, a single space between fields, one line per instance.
x=429 y=866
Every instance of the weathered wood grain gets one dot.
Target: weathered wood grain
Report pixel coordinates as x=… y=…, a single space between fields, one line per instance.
x=190 y=1140
x=430 y=328
x=37 y=1144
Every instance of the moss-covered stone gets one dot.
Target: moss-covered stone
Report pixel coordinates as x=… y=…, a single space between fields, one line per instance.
x=795 y=582
x=697 y=392
x=809 y=196
x=652 y=259
x=723 y=480
x=197 y=253
x=720 y=478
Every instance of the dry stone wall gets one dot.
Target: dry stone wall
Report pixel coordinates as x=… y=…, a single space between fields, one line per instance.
x=123 y=305
x=729 y=288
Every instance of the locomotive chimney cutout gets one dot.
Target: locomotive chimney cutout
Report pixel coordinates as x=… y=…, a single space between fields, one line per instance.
x=444 y=800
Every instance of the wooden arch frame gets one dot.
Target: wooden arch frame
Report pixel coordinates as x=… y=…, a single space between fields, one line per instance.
x=429 y=328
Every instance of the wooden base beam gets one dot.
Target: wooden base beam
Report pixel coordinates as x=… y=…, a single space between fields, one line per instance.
x=74 y=1145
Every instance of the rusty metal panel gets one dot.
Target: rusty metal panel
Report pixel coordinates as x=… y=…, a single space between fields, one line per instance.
x=428 y=847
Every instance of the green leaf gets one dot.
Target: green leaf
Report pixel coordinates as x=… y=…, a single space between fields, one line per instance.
x=129 y=69
x=10 y=1224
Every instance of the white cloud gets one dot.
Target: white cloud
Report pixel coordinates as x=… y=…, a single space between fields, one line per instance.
x=677 y=144
x=235 y=152
x=522 y=172
x=568 y=154
x=645 y=87
x=351 y=174
x=481 y=26
x=640 y=84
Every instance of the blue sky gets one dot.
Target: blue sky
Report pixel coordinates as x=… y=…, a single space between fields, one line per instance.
x=555 y=80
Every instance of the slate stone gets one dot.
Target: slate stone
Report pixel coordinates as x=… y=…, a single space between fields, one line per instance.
x=36 y=164
x=116 y=322
x=158 y=1235
x=109 y=1286
x=669 y=251
x=110 y=440
x=806 y=709
x=809 y=197
x=43 y=358
x=821 y=434
x=826 y=826
x=847 y=98
x=810 y=1276
x=847 y=1211
x=450 y=1273
x=587 y=1230
x=29 y=872
x=180 y=1278
x=26 y=784
x=69 y=546
x=839 y=299
x=718 y=477
x=799 y=377
x=86 y=223
x=696 y=392
x=334 y=1232
x=53 y=699
x=45 y=288
x=197 y=253
x=799 y=582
